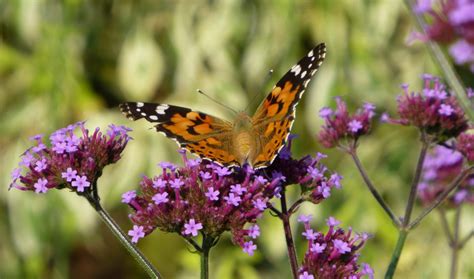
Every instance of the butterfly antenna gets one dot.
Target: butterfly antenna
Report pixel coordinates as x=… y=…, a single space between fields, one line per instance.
x=260 y=89
x=217 y=102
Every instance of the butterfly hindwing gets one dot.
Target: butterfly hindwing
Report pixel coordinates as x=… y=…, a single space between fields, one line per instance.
x=202 y=134
x=275 y=115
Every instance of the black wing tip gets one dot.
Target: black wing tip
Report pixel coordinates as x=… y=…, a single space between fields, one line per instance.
x=319 y=51
x=126 y=110
x=320 y=48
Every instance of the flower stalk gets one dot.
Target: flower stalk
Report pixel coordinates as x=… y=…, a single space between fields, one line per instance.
x=402 y=236
x=207 y=243
x=372 y=189
x=403 y=229
x=455 y=242
x=121 y=236
x=455 y=245
x=443 y=196
x=290 y=244
x=416 y=180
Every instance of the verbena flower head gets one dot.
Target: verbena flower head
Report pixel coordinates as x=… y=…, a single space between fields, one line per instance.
x=465 y=145
x=434 y=110
x=314 y=178
x=201 y=197
x=72 y=158
x=341 y=128
x=440 y=168
x=452 y=23
x=333 y=254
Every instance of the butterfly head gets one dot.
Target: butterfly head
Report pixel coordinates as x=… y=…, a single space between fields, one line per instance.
x=243 y=122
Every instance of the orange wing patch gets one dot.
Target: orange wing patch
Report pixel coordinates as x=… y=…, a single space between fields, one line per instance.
x=190 y=127
x=209 y=151
x=279 y=104
x=273 y=142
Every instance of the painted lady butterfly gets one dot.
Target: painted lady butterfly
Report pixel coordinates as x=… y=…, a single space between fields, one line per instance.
x=256 y=140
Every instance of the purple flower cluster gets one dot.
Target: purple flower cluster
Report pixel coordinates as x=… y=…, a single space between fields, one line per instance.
x=315 y=179
x=340 y=126
x=441 y=166
x=452 y=24
x=70 y=161
x=333 y=254
x=201 y=197
x=434 y=110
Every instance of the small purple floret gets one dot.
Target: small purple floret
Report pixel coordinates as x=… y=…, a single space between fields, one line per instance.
x=305 y=218
x=160 y=198
x=41 y=165
x=212 y=194
x=233 y=199
x=136 y=233
x=192 y=228
x=69 y=175
x=40 y=185
x=249 y=247
x=81 y=183
x=341 y=246
x=317 y=248
x=127 y=197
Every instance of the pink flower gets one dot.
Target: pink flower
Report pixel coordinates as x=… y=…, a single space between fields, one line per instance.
x=136 y=233
x=192 y=228
x=250 y=248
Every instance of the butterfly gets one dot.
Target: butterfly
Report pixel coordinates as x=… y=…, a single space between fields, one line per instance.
x=255 y=140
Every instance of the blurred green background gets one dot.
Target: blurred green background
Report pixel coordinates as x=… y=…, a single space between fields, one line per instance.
x=65 y=61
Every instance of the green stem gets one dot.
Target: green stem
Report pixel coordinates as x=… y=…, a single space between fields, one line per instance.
x=122 y=237
x=442 y=197
x=372 y=188
x=455 y=245
x=444 y=64
x=290 y=244
x=396 y=254
x=207 y=243
x=404 y=229
x=445 y=226
x=466 y=239
x=415 y=182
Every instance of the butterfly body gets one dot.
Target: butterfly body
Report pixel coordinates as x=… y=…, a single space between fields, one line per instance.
x=255 y=140
x=242 y=143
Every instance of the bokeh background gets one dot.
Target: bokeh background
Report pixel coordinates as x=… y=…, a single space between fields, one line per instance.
x=65 y=61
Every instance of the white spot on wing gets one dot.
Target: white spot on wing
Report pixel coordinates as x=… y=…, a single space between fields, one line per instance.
x=138 y=110
x=161 y=109
x=140 y=104
x=306 y=82
x=311 y=53
x=296 y=69
x=153 y=117
x=303 y=74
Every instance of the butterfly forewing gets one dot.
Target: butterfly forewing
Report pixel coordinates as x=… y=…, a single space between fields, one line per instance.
x=275 y=115
x=202 y=134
